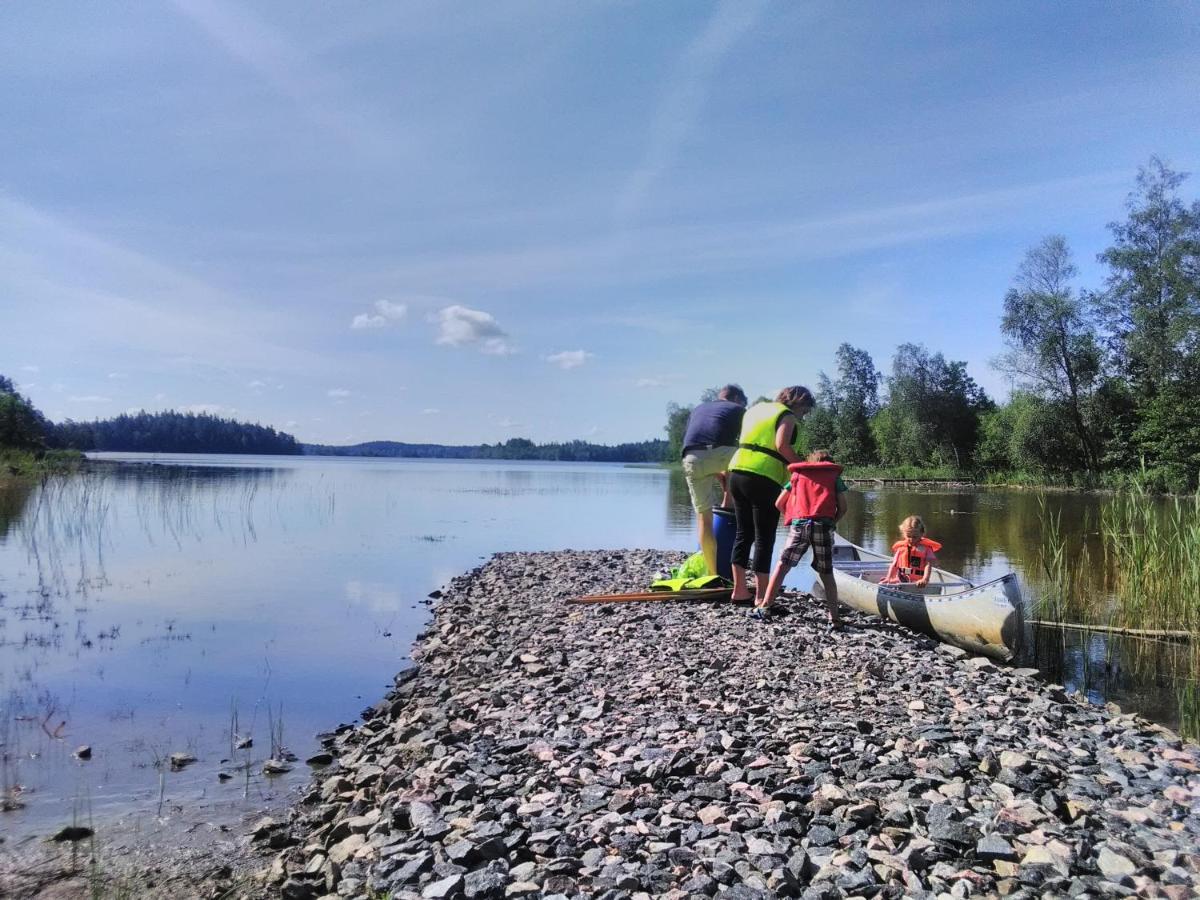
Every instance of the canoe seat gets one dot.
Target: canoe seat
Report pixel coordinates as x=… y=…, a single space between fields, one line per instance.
x=854 y=567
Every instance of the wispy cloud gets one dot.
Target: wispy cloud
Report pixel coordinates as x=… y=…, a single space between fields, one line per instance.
x=90 y=398
x=296 y=75
x=683 y=97
x=338 y=393
x=654 y=381
x=569 y=359
x=459 y=326
x=386 y=313
x=32 y=369
x=430 y=411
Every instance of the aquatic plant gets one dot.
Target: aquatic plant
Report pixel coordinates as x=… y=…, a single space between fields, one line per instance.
x=1152 y=547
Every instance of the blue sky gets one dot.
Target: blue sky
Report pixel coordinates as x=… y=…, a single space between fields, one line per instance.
x=468 y=222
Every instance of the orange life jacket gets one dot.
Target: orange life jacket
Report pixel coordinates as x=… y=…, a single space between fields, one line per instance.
x=814 y=491
x=911 y=561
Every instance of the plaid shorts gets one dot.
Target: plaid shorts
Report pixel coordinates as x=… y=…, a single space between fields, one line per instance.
x=804 y=533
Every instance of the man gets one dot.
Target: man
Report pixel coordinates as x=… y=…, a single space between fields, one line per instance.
x=708 y=444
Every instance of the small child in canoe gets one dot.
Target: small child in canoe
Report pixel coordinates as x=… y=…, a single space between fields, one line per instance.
x=914 y=555
x=811 y=503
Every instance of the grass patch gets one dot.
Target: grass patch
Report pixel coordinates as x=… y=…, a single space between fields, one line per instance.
x=27 y=464
x=1148 y=579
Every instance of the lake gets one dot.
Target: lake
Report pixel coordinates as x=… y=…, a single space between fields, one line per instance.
x=156 y=604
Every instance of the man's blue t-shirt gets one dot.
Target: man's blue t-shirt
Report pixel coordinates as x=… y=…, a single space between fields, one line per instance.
x=717 y=423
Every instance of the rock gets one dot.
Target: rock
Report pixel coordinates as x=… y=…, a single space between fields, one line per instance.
x=320 y=759
x=342 y=851
x=450 y=886
x=84 y=752
x=70 y=834
x=483 y=885
x=1113 y=865
x=179 y=760
x=993 y=847
x=642 y=750
x=1010 y=759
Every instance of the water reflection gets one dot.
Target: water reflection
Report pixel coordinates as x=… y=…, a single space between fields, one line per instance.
x=142 y=607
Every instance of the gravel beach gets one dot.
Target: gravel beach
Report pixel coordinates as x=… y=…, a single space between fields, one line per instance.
x=537 y=748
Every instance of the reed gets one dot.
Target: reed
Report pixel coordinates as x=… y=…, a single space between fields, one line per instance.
x=1152 y=552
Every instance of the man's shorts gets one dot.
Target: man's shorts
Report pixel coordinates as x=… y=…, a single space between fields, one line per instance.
x=701 y=468
x=806 y=533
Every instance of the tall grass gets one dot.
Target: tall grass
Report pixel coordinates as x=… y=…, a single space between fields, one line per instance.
x=1152 y=548
x=1148 y=580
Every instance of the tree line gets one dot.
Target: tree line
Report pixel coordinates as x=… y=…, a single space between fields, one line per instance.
x=23 y=427
x=1106 y=378
x=653 y=451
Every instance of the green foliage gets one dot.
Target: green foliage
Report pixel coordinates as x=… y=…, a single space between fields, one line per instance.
x=513 y=448
x=1053 y=349
x=677 y=419
x=933 y=410
x=842 y=421
x=1168 y=436
x=173 y=432
x=21 y=426
x=1152 y=297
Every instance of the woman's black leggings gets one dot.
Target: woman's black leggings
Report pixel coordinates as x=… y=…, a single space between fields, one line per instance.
x=757 y=519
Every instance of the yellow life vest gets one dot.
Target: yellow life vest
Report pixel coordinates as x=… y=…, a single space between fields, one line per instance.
x=756 y=451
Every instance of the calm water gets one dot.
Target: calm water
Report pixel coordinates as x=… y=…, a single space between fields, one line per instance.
x=143 y=604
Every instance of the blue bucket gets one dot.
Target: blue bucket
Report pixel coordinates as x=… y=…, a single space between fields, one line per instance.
x=725 y=529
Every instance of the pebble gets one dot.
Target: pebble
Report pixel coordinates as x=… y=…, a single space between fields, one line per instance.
x=680 y=750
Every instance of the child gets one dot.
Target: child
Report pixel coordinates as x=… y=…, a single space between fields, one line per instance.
x=811 y=503
x=915 y=555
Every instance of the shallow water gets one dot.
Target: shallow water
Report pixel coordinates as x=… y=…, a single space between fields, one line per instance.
x=145 y=603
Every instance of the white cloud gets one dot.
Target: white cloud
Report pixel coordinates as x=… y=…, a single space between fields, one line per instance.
x=33 y=369
x=159 y=398
x=256 y=384
x=290 y=424
x=90 y=398
x=657 y=381
x=509 y=423
x=385 y=313
x=460 y=326
x=569 y=359
x=116 y=376
x=211 y=409
x=430 y=411
x=380 y=598
x=338 y=393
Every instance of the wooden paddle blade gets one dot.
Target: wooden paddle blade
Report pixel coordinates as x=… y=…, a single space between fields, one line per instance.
x=652 y=596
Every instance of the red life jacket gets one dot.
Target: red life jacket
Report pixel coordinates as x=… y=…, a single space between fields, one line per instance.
x=814 y=491
x=911 y=561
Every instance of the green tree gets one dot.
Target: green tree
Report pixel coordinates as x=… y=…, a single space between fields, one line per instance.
x=1152 y=297
x=1053 y=349
x=22 y=427
x=842 y=420
x=932 y=413
x=677 y=419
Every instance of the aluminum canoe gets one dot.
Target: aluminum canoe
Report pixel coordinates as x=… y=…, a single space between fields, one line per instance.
x=986 y=618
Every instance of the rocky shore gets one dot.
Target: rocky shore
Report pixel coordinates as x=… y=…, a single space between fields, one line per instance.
x=537 y=748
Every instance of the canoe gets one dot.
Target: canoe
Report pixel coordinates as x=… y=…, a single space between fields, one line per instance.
x=656 y=596
x=986 y=618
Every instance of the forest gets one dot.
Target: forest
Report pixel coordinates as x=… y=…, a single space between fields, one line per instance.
x=1106 y=378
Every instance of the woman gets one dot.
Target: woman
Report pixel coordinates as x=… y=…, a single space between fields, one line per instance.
x=757 y=472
